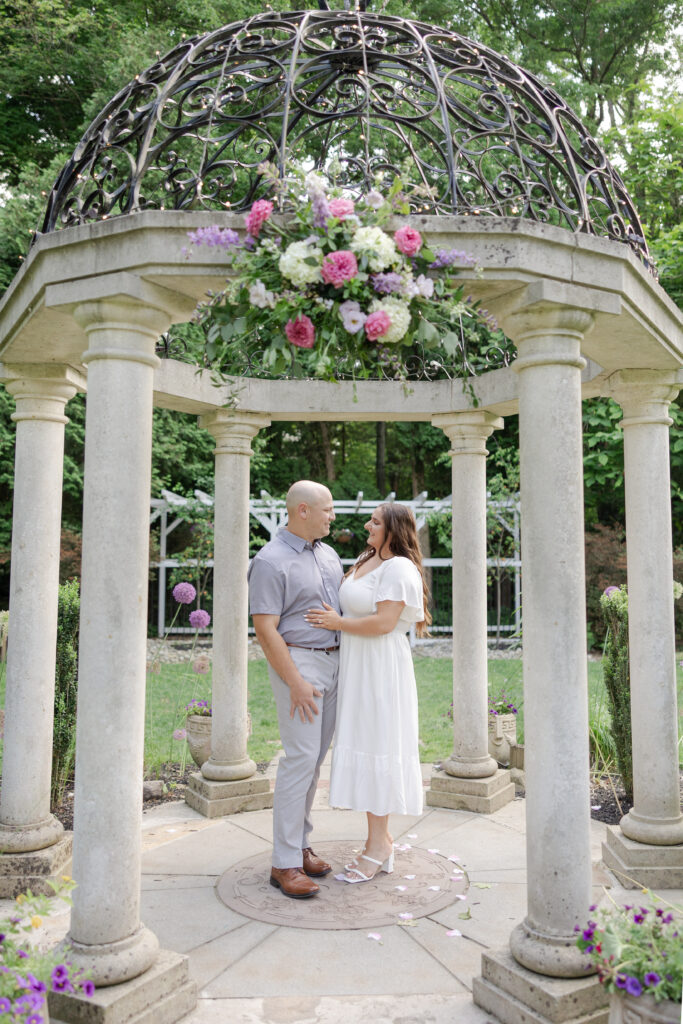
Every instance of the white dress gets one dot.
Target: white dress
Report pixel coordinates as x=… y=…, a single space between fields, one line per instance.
x=376 y=760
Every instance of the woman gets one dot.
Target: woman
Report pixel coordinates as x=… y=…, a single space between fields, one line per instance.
x=376 y=762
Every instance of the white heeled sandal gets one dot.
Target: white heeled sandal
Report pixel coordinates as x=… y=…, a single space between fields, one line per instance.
x=387 y=866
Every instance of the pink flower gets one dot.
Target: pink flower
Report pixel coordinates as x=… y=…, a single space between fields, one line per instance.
x=339 y=266
x=408 y=240
x=179 y=734
x=199 y=619
x=201 y=665
x=300 y=332
x=341 y=208
x=377 y=324
x=184 y=593
x=257 y=216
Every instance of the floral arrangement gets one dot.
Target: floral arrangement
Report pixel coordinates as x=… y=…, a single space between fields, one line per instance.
x=502 y=706
x=330 y=290
x=637 y=950
x=198 y=707
x=28 y=973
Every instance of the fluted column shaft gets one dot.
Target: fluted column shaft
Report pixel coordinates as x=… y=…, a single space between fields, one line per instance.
x=468 y=432
x=554 y=631
x=644 y=396
x=107 y=936
x=234 y=433
x=40 y=394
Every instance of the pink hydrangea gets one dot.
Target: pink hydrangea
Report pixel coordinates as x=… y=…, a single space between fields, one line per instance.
x=257 y=216
x=408 y=240
x=377 y=324
x=338 y=267
x=300 y=332
x=341 y=208
x=199 y=619
x=184 y=593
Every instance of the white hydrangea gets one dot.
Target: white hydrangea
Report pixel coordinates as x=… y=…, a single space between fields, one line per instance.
x=398 y=313
x=293 y=264
x=379 y=246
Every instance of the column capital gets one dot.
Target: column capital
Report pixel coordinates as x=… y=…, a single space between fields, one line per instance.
x=549 y=335
x=123 y=328
x=644 y=395
x=468 y=431
x=41 y=391
x=234 y=431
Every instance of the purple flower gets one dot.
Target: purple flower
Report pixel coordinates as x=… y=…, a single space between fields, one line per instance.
x=652 y=979
x=179 y=734
x=36 y=986
x=321 y=210
x=386 y=283
x=638 y=918
x=633 y=986
x=35 y=1018
x=5 y=1005
x=22 y=954
x=184 y=593
x=588 y=934
x=620 y=981
x=608 y=591
x=59 y=972
x=447 y=257
x=88 y=988
x=199 y=619
x=223 y=238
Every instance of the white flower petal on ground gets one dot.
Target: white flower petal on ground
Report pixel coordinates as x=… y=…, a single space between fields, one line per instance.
x=375 y=936
x=453 y=933
x=406 y=916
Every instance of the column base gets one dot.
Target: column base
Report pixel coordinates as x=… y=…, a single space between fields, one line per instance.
x=35 y=870
x=642 y=866
x=515 y=995
x=553 y=956
x=481 y=795
x=652 y=831
x=470 y=768
x=113 y=963
x=27 y=838
x=215 y=799
x=228 y=771
x=162 y=995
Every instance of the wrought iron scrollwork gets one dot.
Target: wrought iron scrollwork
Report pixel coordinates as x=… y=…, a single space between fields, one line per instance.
x=360 y=95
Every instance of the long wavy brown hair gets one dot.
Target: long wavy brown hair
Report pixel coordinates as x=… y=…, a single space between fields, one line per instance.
x=401 y=539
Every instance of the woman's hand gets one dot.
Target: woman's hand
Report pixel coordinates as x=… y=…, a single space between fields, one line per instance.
x=324 y=619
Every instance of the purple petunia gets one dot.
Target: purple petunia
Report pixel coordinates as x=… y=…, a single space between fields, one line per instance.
x=35 y=1018
x=184 y=593
x=5 y=1005
x=633 y=986
x=222 y=238
x=620 y=981
x=60 y=972
x=88 y=988
x=199 y=619
x=652 y=979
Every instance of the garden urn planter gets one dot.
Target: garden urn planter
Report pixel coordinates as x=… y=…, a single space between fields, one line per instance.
x=502 y=734
x=626 y=1009
x=198 y=730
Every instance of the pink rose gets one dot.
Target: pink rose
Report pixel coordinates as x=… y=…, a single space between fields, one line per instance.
x=300 y=332
x=341 y=208
x=338 y=267
x=408 y=240
x=257 y=216
x=377 y=324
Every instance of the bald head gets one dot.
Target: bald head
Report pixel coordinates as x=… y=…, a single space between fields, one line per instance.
x=310 y=510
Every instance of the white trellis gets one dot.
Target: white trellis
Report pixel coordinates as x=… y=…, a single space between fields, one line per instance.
x=271 y=513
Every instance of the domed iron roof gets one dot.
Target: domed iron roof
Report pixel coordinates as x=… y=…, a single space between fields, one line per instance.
x=362 y=96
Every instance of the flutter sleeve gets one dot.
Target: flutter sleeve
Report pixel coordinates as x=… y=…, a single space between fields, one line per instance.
x=399 y=580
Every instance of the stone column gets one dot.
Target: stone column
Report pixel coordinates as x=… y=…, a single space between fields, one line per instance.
x=26 y=824
x=549 y=366
x=470 y=778
x=648 y=851
x=225 y=784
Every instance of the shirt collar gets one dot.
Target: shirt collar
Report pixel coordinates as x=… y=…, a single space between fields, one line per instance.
x=295 y=542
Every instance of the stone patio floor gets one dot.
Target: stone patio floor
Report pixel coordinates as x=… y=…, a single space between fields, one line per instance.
x=313 y=961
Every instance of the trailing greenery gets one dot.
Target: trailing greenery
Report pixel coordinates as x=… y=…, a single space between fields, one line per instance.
x=614 y=604
x=66 y=688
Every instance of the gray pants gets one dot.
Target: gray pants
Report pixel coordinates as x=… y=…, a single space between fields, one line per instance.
x=306 y=744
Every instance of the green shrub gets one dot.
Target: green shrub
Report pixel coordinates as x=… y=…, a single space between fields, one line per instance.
x=66 y=676
x=614 y=605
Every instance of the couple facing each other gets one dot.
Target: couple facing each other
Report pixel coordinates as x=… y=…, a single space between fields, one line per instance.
x=339 y=662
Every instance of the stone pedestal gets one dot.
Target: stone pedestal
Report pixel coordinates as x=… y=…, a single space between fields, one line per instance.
x=484 y=796
x=655 y=818
x=215 y=799
x=26 y=824
x=641 y=865
x=229 y=761
x=515 y=995
x=162 y=995
x=35 y=870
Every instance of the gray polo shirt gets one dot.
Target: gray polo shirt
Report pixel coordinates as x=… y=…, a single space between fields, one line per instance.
x=288 y=576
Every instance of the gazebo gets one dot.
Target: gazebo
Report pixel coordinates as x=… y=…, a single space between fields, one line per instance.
x=517 y=181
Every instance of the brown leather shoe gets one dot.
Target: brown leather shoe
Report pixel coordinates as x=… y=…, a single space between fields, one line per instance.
x=314 y=866
x=293 y=882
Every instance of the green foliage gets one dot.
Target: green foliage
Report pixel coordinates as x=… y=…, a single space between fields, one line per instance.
x=667 y=250
x=66 y=687
x=617 y=680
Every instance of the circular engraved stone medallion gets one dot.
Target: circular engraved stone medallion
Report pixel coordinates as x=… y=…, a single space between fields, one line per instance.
x=246 y=889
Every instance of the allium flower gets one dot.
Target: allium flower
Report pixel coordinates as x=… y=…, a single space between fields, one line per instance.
x=179 y=734
x=633 y=986
x=377 y=325
x=608 y=591
x=199 y=619
x=257 y=216
x=341 y=208
x=259 y=296
x=201 y=664
x=386 y=283
x=398 y=314
x=352 y=316
x=223 y=238
x=339 y=267
x=292 y=264
x=374 y=242
x=300 y=332
x=408 y=240
x=184 y=593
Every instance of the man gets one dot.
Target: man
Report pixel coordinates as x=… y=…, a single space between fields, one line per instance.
x=289 y=575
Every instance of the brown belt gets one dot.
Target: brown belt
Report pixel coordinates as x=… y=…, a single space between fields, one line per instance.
x=301 y=647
